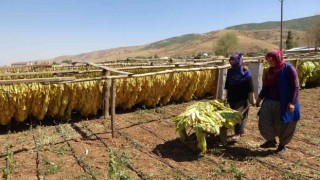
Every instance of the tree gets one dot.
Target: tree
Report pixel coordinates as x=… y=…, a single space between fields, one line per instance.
x=289 y=41
x=67 y=61
x=198 y=56
x=313 y=35
x=227 y=43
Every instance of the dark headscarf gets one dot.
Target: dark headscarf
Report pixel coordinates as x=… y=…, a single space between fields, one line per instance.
x=273 y=72
x=237 y=74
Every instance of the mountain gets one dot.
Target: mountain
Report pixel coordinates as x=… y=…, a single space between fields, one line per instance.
x=252 y=38
x=184 y=39
x=297 y=24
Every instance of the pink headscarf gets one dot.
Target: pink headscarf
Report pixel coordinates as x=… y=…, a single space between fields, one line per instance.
x=273 y=72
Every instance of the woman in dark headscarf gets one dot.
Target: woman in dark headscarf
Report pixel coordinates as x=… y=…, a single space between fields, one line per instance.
x=239 y=89
x=280 y=109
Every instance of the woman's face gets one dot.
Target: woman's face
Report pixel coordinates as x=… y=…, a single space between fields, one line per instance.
x=232 y=62
x=271 y=62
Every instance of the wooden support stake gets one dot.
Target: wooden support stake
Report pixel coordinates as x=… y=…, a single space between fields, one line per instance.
x=87 y=66
x=113 y=106
x=217 y=76
x=296 y=63
x=106 y=94
x=107 y=102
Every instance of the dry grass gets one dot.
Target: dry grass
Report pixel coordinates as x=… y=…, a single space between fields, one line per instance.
x=248 y=41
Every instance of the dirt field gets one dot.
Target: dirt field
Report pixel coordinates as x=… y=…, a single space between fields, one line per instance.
x=147 y=147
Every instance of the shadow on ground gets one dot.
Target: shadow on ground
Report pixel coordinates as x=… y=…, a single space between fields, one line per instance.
x=31 y=122
x=240 y=153
x=175 y=150
x=188 y=151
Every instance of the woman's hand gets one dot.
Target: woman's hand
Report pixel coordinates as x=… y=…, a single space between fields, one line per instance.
x=290 y=107
x=258 y=102
x=252 y=99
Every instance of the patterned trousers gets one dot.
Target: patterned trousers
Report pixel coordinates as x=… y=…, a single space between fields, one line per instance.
x=270 y=125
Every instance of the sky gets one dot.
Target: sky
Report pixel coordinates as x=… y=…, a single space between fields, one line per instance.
x=45 y=29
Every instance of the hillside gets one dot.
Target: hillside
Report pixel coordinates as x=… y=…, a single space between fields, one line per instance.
x=180 y=40
x=249 y=41
x=297 y=24
x=252 y=38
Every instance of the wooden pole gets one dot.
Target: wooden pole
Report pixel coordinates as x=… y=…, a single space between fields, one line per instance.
x=113 y=106
x=39 y=80
x=218 y=73
x=281 y=24
x=107 y=102
x=296 y=64
x=168 y=71
x=39 y=73
x=108 y=69
x=106 y=95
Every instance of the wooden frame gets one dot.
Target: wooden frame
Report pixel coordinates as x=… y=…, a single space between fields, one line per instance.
x=109 y=86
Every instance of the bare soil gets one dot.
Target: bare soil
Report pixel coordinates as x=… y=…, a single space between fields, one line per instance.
x=146 y=146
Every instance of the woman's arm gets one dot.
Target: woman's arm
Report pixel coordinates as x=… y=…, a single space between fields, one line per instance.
x=262 y=94
x=226 y=87
x=294 y=86
x=252 y=98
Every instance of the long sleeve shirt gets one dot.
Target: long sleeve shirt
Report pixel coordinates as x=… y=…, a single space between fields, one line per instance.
x=272 y=91
x=239 y=92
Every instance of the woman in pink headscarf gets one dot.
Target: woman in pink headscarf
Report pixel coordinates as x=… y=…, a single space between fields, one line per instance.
x=280 y=110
